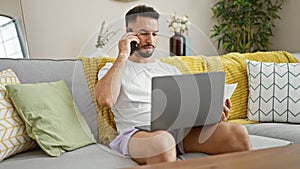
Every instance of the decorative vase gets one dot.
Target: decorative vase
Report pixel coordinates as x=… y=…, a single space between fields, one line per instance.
x=177 y=45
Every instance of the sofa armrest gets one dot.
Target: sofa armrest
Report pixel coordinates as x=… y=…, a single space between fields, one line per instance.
x=297 y=55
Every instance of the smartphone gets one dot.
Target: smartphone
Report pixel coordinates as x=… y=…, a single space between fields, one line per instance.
x=133 y=44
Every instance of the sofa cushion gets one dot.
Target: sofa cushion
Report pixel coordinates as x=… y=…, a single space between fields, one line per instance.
x=51 y=117
x=274 y=92
x=236 y=72
x=13 y=137
x=257 y=142
x=284 y=131
x=99 y=156
x=261 y=142
x=94 y=156
x=49 y=70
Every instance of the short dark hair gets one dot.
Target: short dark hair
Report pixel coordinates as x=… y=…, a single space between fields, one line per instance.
x=141 y=10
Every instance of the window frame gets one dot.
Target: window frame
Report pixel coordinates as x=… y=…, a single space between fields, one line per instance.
x=21 y=39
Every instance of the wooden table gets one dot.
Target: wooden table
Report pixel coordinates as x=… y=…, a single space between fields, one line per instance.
x=273 y=158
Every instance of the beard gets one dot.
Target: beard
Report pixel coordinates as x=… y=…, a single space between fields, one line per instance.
x=146 y=54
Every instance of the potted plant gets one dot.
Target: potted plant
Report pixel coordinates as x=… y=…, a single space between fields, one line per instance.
x=245 y=25
x=105 y=35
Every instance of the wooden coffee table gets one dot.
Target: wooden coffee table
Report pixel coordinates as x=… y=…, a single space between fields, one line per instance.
x=272 y=158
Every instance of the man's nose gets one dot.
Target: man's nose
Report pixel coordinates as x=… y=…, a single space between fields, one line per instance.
x=150 y=38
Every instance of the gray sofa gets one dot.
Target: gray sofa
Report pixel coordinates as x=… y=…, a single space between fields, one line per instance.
x=97 y=155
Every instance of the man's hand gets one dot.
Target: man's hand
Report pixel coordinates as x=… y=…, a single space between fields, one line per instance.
x=124 y=44
x=226 y=110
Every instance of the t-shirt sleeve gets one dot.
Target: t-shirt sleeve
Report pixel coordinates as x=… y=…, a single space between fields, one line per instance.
x=102 y=72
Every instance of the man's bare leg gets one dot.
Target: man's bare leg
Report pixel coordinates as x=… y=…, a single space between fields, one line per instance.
x=227 y=137
x=152 y=147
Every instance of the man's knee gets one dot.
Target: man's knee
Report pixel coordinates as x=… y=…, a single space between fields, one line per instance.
x=162 y=142
x=240 y=138
x=159 y=143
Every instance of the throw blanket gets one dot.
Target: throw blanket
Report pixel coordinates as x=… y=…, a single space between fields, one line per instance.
x=234 y=64
x=105 y=119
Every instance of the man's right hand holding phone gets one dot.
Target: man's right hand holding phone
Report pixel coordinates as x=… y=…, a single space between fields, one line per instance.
x=111 y=82
x=128 y=44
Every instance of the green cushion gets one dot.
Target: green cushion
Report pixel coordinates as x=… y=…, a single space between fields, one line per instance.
x=51 y=116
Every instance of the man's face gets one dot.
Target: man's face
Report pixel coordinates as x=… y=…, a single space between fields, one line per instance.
x=147 y=31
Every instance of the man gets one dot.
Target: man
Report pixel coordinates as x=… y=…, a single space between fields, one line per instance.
x=125 y=86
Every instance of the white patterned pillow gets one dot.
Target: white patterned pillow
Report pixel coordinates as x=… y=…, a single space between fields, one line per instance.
x=274 y=92
x=13 y=137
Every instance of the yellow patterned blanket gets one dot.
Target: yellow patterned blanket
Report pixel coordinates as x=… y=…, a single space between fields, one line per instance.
x=234 y=64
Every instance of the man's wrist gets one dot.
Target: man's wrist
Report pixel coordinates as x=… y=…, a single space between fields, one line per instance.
x=123 y=56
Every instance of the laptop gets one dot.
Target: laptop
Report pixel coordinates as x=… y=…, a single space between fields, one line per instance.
x=185 y=101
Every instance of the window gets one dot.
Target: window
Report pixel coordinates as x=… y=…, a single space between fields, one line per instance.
x=11 y=41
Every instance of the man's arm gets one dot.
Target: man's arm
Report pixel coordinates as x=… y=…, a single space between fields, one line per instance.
x=108 y=87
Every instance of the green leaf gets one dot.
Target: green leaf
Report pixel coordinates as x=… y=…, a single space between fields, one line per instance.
x=236 y=18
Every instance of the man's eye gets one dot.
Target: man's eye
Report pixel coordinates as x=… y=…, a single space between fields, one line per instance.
x=149 y=33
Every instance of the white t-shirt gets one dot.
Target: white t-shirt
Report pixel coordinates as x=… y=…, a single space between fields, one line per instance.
x=134 y=102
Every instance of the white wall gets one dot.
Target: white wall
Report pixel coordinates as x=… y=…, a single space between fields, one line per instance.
x=61 y=28
x=287 y=31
